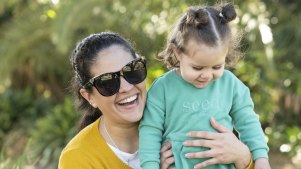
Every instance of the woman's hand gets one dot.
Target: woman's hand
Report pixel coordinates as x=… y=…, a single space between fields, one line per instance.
x=166 y=156
x=224 y=147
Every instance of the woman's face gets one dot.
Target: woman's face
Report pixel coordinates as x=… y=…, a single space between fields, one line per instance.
x=127 y=105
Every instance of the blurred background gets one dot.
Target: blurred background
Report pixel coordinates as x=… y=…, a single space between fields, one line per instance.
x=37 y=112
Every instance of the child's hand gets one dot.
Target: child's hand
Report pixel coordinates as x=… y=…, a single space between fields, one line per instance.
x=166 y=156
x=262 y=163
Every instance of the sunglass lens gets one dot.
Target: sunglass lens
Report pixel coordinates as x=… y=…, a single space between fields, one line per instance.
x=135 y=73
x=108 y=84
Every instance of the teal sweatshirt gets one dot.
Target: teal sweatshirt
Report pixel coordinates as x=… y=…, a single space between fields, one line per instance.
x=175 y=107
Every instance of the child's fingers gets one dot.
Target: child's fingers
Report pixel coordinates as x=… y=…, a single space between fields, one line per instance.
x=167 y=162
x=166 y=156
x=166 y=147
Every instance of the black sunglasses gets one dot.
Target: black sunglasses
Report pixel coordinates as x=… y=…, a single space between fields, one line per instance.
x=108 y=84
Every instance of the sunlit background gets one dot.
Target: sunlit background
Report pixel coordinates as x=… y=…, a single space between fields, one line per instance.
x=37 y=112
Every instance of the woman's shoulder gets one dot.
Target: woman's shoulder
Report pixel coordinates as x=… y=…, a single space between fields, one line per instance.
x=83 y=148
x=73 y=155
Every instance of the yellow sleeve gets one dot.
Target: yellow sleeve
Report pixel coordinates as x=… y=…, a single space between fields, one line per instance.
x=251 y=164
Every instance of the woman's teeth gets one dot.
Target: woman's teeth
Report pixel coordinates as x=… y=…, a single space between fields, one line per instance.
x=128 y=100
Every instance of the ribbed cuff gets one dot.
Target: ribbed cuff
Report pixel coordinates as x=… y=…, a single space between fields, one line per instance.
x=260 y=153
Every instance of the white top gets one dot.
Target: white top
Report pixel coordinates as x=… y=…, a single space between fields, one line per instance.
x=129 y=159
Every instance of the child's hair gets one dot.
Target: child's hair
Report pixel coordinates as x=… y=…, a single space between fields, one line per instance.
x=207 y=25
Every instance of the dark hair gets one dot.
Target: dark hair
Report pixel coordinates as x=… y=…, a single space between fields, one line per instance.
x=208 y=25
x=82 y=58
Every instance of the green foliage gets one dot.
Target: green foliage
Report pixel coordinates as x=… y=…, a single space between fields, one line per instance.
x=29 y=50
x=18 y=162
x=275 y=88
x=52 y=132
x=18 y=108
x=45 y=128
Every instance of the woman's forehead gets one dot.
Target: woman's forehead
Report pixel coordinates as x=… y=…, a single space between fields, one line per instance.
x=111 y=59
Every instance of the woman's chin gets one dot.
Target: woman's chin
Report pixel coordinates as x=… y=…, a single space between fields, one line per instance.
x=134 y=117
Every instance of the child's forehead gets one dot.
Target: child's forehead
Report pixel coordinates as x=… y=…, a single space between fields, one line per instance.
x=192 y=47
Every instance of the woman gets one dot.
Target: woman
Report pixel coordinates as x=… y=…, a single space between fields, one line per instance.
x=109 y=81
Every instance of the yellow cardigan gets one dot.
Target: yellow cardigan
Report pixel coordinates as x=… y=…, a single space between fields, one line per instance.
x=88 y=150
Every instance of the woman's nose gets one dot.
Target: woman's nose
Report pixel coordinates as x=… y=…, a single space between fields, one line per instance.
x=124 y=85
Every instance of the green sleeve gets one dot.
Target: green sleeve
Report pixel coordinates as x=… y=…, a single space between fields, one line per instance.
x=247 y=123
x=151 y=128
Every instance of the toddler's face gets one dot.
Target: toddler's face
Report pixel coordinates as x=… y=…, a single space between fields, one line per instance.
x=201 y=64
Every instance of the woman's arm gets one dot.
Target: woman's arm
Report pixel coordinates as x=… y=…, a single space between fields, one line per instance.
x=225 y=147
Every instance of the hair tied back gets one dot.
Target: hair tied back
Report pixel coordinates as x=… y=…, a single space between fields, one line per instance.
x=197 y=17
x=228 y=13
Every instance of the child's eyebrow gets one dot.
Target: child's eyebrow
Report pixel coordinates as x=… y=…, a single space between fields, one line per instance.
x=219 y=64
x=194 y=65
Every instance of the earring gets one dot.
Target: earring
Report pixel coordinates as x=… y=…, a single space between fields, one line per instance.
x=93 y=105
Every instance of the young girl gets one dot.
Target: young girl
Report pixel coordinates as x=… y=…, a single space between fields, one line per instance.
x=196 y=89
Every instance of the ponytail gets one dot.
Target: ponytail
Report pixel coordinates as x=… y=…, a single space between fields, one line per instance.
x=197 y=17
x=88 y=118
x=227 y=13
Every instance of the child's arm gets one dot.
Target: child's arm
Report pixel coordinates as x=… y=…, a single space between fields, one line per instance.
x=150 y=138
x=151 y=129
x=262 y=163
x=247 y=123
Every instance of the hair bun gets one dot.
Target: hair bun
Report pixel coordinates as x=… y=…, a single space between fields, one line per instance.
x=228 y=12
x=197 y=17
